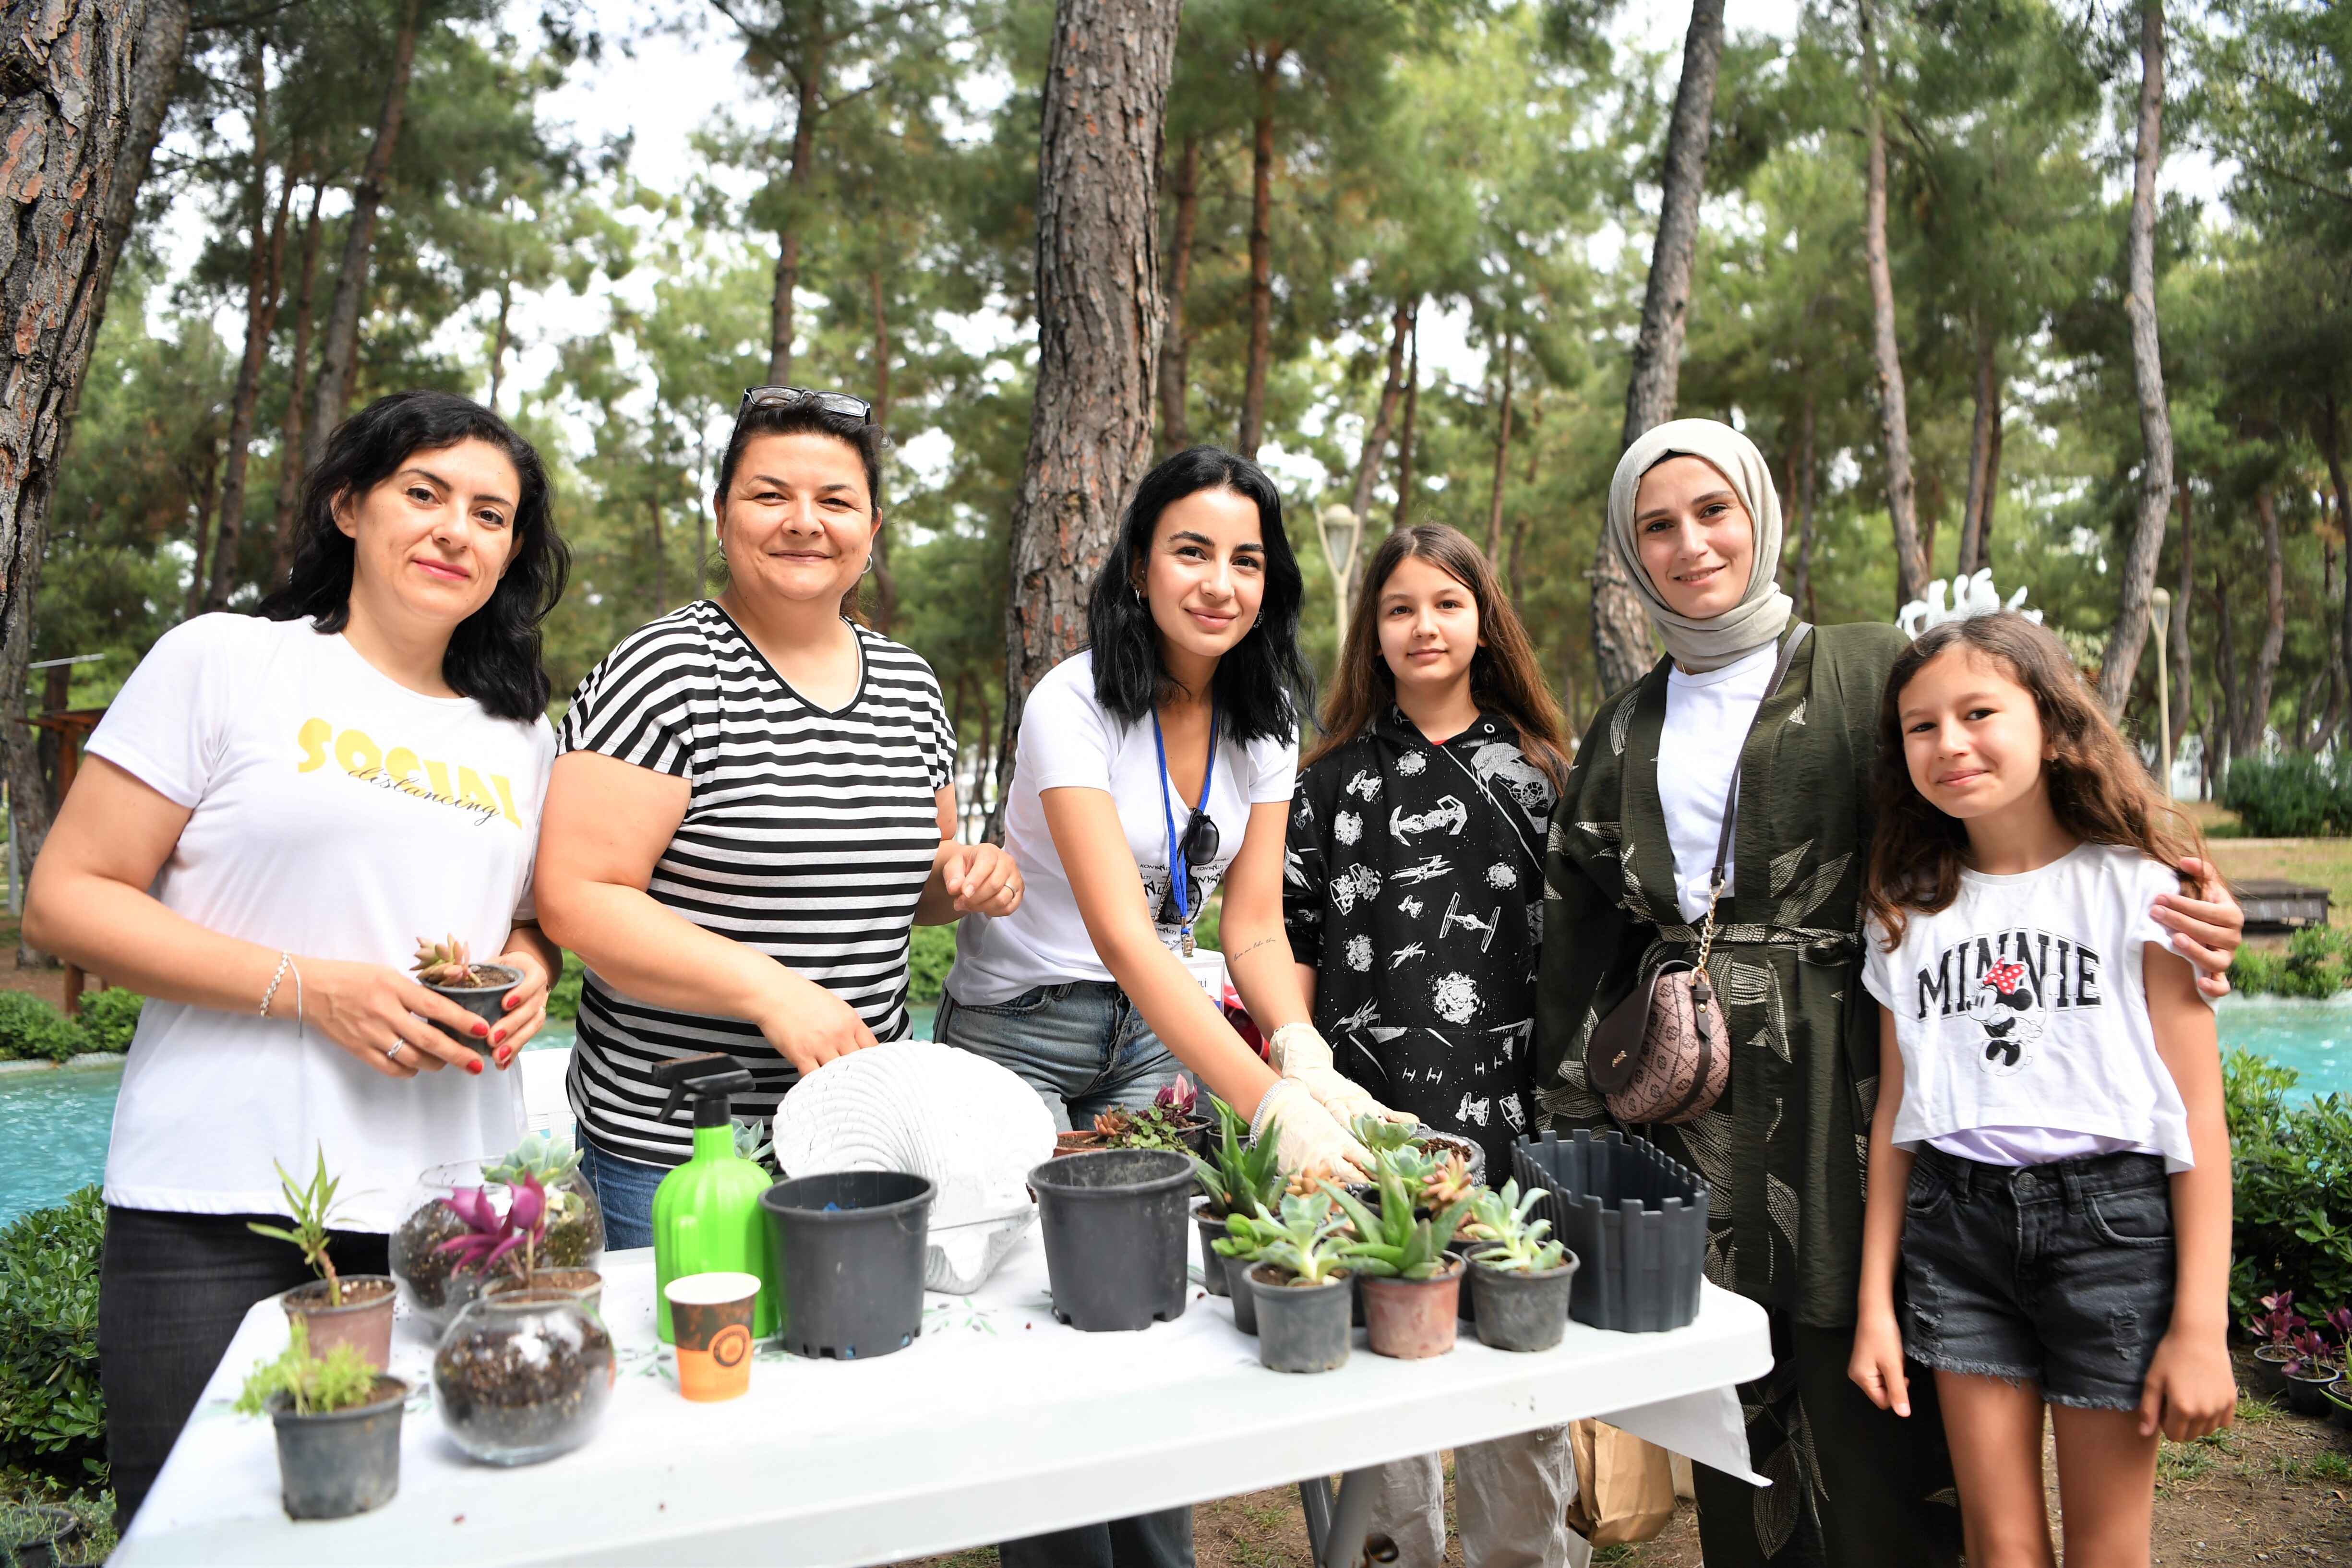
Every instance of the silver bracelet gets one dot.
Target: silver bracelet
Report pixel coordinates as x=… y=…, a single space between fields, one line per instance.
x=299 y=1033
x=285 y=961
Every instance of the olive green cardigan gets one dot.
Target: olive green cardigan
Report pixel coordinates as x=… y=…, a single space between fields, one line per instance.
x=1785 y=1150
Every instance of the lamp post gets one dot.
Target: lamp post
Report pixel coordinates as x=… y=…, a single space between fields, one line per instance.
x=2160 y=610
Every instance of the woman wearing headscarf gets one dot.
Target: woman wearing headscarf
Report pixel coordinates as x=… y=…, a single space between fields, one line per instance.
x=1695 y=524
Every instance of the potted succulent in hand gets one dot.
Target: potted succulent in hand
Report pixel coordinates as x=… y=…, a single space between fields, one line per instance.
x=1410 y=1283
x=337 y=1423
x=1241 y=1177
x=2273 y=1330
x=354 y=1310
x=445 y=968
x=1519 y=1281
x=1301 y=1288
x=1438 y=1168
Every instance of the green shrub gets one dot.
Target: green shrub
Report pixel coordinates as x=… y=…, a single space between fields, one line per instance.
x=564 y=996
x=2290 y=796
x=2292 y=1169
x=2317 y=963
x=52 y=1416
x=32 y=1031
x=109 y=1017
x=930 y=955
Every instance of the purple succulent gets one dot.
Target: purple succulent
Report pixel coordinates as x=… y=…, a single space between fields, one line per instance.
x=1179 y=1096
x=2277 y=1324
x=491 y=1236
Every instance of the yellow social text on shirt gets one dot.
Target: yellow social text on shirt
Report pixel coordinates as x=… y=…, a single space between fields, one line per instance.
x=356 y=753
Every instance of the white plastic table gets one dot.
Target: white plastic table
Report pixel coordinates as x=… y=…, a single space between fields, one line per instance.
x=998 y=1423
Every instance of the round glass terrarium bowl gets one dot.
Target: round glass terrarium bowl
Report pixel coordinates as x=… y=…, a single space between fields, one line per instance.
x=436 y=1287
x=523 y=1375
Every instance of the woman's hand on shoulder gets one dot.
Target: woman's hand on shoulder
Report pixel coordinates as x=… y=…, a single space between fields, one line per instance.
x=811 y=1025
x=980 y=878
x=382 y=1017
x=2206 y=929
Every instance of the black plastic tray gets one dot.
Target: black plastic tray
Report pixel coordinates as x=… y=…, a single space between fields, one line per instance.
x=1636 y=1220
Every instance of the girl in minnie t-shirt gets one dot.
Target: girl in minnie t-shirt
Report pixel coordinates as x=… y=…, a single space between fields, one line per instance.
x=2048 y=1158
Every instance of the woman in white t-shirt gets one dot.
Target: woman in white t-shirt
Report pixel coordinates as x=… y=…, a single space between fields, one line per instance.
x=272 y=812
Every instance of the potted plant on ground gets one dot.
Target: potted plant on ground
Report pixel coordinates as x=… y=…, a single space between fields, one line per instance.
x=1169 y=1122
x=2273 y=1329
x=1302 y=1287
x=1410 y=1283
x=1241 y=1177
x=2311 y=1371
x=1520 y=1281
x=338 y=1422
x=445 y=968
x=354 y=1310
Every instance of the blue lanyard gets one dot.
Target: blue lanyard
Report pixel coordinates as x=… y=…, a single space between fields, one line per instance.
x=1178 y=872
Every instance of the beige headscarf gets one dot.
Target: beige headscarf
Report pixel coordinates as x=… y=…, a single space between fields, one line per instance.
x=1763 y=611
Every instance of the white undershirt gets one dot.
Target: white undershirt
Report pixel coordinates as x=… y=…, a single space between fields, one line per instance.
x=1707 y=718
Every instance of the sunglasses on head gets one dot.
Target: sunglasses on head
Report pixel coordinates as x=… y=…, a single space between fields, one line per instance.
x=834 y=403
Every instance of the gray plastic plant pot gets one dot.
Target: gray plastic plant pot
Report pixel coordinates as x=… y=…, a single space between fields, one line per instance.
x=849 y=1245
x=487 y=1003
x=1301 y=1328
x=340 y=1462
x=1636 y=1217
x=1237 y=1286
x=1114 y=1227
x=1211 y=1229
x=1520 y=1309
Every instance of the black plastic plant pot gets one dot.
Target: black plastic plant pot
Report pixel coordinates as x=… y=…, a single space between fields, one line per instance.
x=1518 y=1308
x=1237 y=1286
x=340 y=1462
x=1636 y=1218
x=1211 y=1229
x=1464 y=1302
x=1114 y=1223
x=849 y=1246
x=2307 y=1392
x=485 y=1002
x=1301 y=1328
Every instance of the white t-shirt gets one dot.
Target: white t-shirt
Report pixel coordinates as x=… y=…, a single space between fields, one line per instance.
x=2022 y=1016
x=336 y=814
x=1067 y=741
x=1707 y=718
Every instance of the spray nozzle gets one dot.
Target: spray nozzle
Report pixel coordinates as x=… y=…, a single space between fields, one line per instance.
x=707 y=1080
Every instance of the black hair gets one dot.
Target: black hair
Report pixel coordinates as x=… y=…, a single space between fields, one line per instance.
x=493 y=656
x=1263 y=684
x=863 y=435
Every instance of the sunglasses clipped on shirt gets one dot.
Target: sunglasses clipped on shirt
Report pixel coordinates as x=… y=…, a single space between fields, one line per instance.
x=1200 y=846
x=834 y=403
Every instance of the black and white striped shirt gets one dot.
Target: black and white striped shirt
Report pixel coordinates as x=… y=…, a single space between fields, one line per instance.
x=808 y=835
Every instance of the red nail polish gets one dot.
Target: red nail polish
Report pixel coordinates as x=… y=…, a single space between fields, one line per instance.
x=497 y=1036
x=475 y=1067
x=480 y=1029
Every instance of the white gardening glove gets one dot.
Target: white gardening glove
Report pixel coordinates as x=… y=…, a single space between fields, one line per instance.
x=1303 y=1057
x=1305 y=1138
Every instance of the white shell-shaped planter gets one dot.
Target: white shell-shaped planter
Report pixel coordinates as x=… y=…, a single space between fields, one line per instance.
x=974 y=1128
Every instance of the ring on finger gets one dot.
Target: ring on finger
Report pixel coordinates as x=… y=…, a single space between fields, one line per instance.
x=393 y=1054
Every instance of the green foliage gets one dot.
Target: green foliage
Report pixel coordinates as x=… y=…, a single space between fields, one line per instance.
x=930 y=955
x=2292 y=1169
x=109 y=1017
x=1241 y=1176
x=32 y=1031
x=315 y=1385
x=2290 y=796
x=52 y=1414
x=1511 y=1240
x=2317 y=963
x=564 y=996
x=540 y=1155
x=1394 y=1243
x=313 y=1211
x=752 y=1143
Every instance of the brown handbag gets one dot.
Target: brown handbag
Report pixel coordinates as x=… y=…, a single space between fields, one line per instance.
x=1664 y=1054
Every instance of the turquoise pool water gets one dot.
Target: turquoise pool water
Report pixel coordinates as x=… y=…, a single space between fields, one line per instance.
x=54 y=1124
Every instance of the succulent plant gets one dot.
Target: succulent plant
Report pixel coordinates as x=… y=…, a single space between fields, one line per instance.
x=752 y=1143
x=1446 y=1182
x=312 y=1385
x=2276 y=1325
x=1305 y=1241
x=1180 y=1096
x=1241 y=1176
x=1394 y=1243
x=1379 y=1133
x=1512 y=1241
x=313 y=1209
x=540 y=1155
x=490 y=1236
x=1156 y=1127
x=1311 y=1178
x=443 y=963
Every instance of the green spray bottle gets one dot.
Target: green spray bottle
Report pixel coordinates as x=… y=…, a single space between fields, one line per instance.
x=706 y=1214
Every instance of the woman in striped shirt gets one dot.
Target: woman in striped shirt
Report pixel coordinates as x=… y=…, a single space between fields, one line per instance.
x=753 y=803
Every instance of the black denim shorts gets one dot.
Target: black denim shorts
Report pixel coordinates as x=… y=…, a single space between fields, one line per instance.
x=2059 y=1274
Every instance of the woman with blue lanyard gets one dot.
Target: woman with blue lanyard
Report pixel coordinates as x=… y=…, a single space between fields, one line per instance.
x=1151 y=767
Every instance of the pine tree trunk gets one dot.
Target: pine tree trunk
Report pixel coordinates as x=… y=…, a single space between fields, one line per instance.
x=2181 y=688
x=82 y=97
x=885 y=587
x=1405 y=435
x=1175 y=356
x=1392 y=392
x=1502 y=461
x=1894 y=414
x=1802 y=587
x=1099 y=323
x=807 y=90
x=2148 y=379
x=339 y=360
x=1984 y=445
x=261 y=278
x=1261 y=260
x=290 y=444
x=2332 y=448
x=1621 y=631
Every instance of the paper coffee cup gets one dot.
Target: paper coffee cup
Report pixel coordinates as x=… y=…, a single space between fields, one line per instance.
x=712 y=1316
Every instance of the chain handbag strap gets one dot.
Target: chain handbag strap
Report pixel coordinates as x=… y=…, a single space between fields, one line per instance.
x=1731 y=799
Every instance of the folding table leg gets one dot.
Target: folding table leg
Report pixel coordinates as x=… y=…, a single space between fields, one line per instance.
x=1315 y=1502
x=1344 y=1543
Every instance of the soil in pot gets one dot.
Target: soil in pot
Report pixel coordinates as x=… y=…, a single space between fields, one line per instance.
x=1237 y=1286
x=1300 y=1328
x=337 y=1463
x=849 y=1249
x=2307 y=1392
x=1114 y=1228
x=1520 y=1308
x=523 y=1376
x=486 y=1000
x=1413 y=1319
x=363 y=1322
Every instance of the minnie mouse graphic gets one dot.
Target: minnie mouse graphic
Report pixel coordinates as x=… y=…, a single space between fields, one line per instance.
x=2007 y=1004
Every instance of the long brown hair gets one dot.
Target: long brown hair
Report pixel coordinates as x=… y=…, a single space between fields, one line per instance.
x=2099 y=790
x=1503 y=674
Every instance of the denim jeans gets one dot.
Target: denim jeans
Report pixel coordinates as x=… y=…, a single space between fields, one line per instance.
x=624 y=1191
x=1081 y=1045
x=172 y=1290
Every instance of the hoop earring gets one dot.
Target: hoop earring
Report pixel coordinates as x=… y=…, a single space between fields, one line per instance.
x=869 y=570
